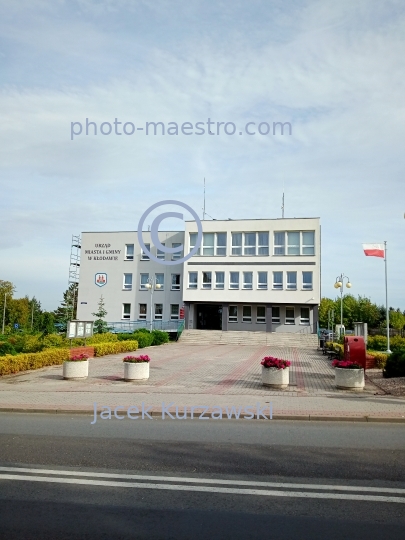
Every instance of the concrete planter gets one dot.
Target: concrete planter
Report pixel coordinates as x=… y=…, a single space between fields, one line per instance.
x=76 y=369
x=349 y=379
x=136 y=371
x=275 y=378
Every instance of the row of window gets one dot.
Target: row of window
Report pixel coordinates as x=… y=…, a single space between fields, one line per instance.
x=233 y=315
x=256 y=243
x=157 y=315
x=242 y=243
x=219 y=283
x=278 y=282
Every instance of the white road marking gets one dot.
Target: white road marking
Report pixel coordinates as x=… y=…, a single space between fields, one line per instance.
x=206 y=489
x=330 y=487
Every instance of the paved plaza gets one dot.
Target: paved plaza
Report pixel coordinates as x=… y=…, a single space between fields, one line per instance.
x=213 y=375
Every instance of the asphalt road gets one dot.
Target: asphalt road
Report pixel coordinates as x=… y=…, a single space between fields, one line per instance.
x=61 y=477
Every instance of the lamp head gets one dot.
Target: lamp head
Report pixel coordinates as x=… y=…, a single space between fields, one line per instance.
x=148 y=285
x=158 y=286
x=348 y=285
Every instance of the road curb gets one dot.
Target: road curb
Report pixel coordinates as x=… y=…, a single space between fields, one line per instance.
x=158 y=414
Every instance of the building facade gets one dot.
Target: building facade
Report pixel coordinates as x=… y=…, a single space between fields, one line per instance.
x=257 y=275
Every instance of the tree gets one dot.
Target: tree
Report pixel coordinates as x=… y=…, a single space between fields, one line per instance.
x=19 y=312
x=68 y=309
x=397 y=319
x=324 y=307
x=47 y=324
x=100 y=325
x=7 y=290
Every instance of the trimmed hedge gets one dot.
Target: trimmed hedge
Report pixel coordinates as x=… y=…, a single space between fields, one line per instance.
x=159 y=337
x=101 y=349
x=25 y=361
x=379 y=343
x=144 y=339
x=380 y=358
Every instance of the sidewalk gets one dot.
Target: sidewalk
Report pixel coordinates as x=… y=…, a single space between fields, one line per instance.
x=207 y=375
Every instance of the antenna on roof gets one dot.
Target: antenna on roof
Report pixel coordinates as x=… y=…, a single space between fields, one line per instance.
x=204 y=201
x=282 y=203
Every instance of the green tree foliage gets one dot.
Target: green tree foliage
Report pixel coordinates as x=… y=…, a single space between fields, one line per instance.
x=7 y=290
x=359 y=309
x=47 y=323
x=68 y=307
x=100 y=325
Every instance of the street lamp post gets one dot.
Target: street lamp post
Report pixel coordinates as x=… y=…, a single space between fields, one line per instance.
x=150 y=285
x=339 y=285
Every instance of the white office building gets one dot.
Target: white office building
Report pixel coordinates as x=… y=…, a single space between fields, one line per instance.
x=256 y=274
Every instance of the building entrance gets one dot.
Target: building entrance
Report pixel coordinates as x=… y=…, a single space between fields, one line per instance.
x=209 y=316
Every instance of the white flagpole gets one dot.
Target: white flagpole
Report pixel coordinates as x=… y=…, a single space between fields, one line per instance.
x=386 y=298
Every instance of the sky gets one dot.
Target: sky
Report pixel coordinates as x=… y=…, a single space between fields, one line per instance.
x=333 y=70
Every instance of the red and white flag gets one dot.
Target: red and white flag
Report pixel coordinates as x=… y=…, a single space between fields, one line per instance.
x=374 y=250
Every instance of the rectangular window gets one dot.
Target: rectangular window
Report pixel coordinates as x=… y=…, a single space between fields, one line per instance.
x=261 y=314
x=127 y=282
x=192 y=280
x=233 y=314
x=293 y=243
x=304 y=319
x=250 y=244
x=247 y=314
x=307 y=281
x=219 y=280
x=234 y=280
x=160 y=280
x=262 y=280
x=208 y=244
x=248 y=280
x=144 y=255
x=279 y=243
x=236 y=243
x=291 y=281
x=144 y=281
x=289 y=315
x=126 y=311
x=207 y=280
x=220 y=248
x=129 y=252
x=193 y=240
x=263 y=243
x=308 y=243
x=178 y=254
x=158 y=312
x=142 y=311
x=174 y=311
x=160 y=254
x=277 y=280
x=275 y=315
x=175 y=282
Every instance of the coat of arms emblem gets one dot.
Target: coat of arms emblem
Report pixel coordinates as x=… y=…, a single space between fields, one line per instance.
x=100 y=280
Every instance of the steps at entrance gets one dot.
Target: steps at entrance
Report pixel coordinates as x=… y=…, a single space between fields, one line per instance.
x=217 y=337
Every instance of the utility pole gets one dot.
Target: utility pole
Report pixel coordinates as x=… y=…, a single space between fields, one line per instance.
x=4 y=311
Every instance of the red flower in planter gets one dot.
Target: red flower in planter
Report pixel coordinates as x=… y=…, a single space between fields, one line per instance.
x=272 y=362
x=79 y=358
x=137 y=359
x=346 y=364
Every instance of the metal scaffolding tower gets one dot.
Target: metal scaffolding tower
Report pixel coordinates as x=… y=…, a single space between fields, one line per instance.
x=74 y=270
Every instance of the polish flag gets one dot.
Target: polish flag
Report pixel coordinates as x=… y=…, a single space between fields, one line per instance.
x=374 y=250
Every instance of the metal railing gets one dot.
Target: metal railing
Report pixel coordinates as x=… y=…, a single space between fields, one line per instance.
x=127 y=327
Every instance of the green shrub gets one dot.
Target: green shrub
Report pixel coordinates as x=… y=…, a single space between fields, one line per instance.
x=397 y=342
x=32 y=344
x=395 y=365
x=54 y=340
x=377 y=343
x=125 y=337
x=144 y=330
x=144 y=339
x=159 y=337
x=22 y=362
x=101 y=349
x=338 y=347
x=6 y=348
